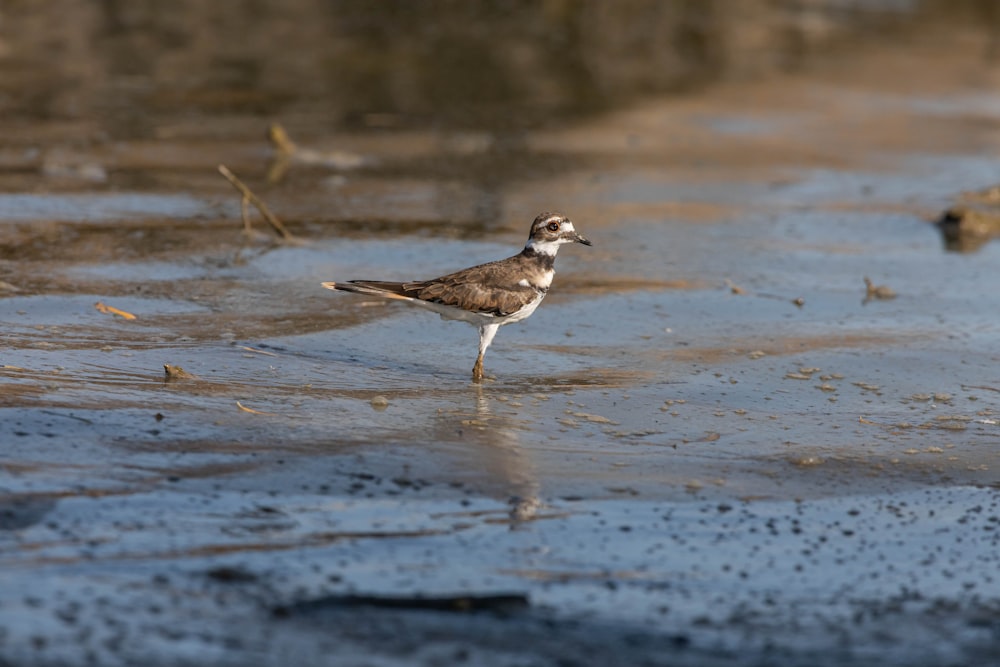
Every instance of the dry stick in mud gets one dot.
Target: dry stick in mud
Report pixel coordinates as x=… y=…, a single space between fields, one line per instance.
x=287 y=153
x=285 y=149
x=249 y=196
x=111 y=310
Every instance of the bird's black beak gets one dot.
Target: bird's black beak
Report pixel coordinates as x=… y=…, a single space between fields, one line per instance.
x=581 y=239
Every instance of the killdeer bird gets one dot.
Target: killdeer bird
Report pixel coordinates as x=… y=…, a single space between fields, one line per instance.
x=490 y=295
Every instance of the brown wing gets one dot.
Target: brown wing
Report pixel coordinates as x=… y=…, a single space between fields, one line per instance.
x=488 y=288
x=478 y=298
x=491 y=288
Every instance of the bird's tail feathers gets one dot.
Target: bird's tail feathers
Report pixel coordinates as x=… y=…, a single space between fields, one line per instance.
x=381 y=288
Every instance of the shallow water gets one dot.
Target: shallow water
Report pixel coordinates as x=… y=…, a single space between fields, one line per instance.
x=706 y=444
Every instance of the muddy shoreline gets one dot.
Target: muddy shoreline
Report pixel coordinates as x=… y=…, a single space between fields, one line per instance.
x=713 y=444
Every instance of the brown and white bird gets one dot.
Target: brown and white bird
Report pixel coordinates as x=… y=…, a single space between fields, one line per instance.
x=489 y=295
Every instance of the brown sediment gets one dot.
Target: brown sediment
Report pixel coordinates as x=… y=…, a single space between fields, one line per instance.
x=801 y=181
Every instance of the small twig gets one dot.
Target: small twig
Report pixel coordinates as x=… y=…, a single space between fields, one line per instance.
x=111 y=310
x=253 y=349
x=284 y=149
x=254 y=412
x=248 y=195
x=979 y=386
x=279 y=137
x=736 y=289
x=70 y=416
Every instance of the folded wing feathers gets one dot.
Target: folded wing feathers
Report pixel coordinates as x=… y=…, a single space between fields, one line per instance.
x=476 y=298
x=464 y=289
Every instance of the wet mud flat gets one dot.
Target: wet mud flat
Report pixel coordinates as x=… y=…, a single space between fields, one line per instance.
x=712 y=444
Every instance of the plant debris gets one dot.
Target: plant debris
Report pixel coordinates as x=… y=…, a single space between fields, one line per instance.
x=250 y=198
x=111 y=310
x=873 y=291
x=177 y=373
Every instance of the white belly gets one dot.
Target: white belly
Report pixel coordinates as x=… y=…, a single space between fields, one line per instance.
x=479 y=319
x=521 y=314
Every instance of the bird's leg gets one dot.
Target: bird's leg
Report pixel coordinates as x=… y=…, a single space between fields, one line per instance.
x=486 y=334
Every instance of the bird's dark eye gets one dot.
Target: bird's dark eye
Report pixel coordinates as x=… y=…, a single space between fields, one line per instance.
x=553 y=226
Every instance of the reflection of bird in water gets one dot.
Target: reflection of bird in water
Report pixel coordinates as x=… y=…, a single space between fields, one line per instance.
x=488 y=295
x=500 y=452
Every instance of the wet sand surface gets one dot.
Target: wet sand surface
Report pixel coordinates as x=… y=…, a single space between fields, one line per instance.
x=709 y=446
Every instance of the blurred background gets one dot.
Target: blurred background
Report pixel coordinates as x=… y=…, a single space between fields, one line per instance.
x=127 y=67
x=77 y=75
